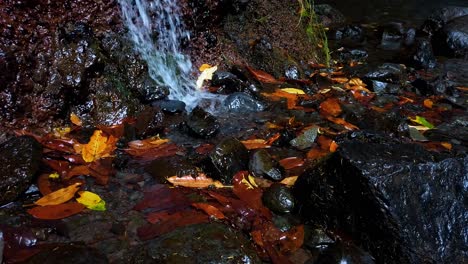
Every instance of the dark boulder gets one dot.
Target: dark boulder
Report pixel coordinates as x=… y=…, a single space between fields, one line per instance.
x=279 y=199
x=350 y=34
x=229 y=157
x=202 y=124
x=69 y=253
x=201 y=243
x=328 y=15
x=242 y=103
x=227 y=82
x=423 y=56
x=170 y=106
x=452 y=39
x=263 y=165
x=400 y=202
x=440 y=17
x=393 y=35
x=20 y=158
x=387 y=72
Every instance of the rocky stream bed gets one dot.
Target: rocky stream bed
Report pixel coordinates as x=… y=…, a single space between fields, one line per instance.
x=361 y=161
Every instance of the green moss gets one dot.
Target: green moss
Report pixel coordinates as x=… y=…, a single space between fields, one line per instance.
x=315 y=31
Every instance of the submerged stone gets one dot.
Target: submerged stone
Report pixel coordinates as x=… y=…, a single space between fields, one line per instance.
x=69 y=253
x=229 y=157
x=279 y=199
x=20 y=158
x=264 y=166
x=400 y=202
x=202 y=124
x=242 y=103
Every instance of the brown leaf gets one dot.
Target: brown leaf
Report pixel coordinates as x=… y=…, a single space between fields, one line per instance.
x=330 y=107
x=59 y=211
x=99 y=146
x=342 y=122
x=262 y=76
x=59 y=196
x=209 y=210
x=289 y=181
x=75 y=120
x=251 y=196
x=291 y=162
x=201 y=181
x=256 y=143
x=43 y=184
x=146 y=154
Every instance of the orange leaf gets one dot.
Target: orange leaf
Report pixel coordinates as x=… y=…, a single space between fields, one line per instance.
x=316 y=153
x=75 y=120
x=330 y=107
x=148 y=143
x=428 y=103
x=209 y=210
x=59 y=211
x=263 y=76
x=256 y=143
x=342 y=122
x=99 y=146
x=201 y=181
x=333 y=146
x=59 y=196
x=446 y=145
x=291 y=162
x=289 y=181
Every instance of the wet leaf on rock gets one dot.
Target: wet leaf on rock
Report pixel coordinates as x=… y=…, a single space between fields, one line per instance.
x=200 y=181
x=60 y=196
x=209 y=210
x=91 y=201
x=422 y=121
x=58 y=211
x=99 y=146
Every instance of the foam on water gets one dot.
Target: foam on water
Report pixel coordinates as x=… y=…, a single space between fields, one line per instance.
x=156 y=30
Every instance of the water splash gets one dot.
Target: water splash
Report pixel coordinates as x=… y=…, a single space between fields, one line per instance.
x=156 y=30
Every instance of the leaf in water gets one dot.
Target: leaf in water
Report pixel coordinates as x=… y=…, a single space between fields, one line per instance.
x=163 y=150
x=75 y=120
x=170 y=223
x=99 y=146
x=256 y=143
x=262 y=76
x=201 y=181
x=422 y=121
x=148 y=143
x=291 y=162
x=316 y=153
x=59 y=211
x=342 y=122
x=209 y=210
x=293 y=90
x=43 y=184
x=60 y=196
x=289 y=181
x=91 y=201
x=160 y=197
x=248 y=194
x=330 y=107
x=207 y=74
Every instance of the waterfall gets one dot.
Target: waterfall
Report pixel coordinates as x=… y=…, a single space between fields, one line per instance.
x=156 y=30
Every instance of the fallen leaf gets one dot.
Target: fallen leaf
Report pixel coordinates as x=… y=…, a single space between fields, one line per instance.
x=207 y=74
x=292 y=90
x=262 y=76
x=330 y=107
x=156 y=151
x=428 y=103
x=91 y=201
x=60 y=196
x=204 y=67
x=59 y=211
x=256 y=143
x=209 y=210
x=356 y=82
x=291 y=162
x=289 y=181
x=342 y=122
x=422 y=121
x=201 y=181
x=54 y=175
x=148 y=143
x=75 y=120
x=99 y=146
x=446 y=145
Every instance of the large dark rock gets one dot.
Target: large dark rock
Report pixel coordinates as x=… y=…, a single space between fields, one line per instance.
x=423 y=56
x=202 y=124
x=202 y=243
x=387 y=72
x=279 y=199
x=440 y=17
x=229 y=157
x=242 y=103
x=20 y=158
x=400 y=202
x=69 y=253
x=263 y=165
x=452 y=39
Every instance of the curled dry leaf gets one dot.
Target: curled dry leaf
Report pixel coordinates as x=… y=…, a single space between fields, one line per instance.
x=59 y=211
x=201 y=181
x=60 y=196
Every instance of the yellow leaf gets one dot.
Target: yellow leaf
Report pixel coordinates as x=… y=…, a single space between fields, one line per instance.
x=60 y=196
x=293 y=90
x=252 y=181
x=207 y=74
x=356 y=82
x=61 y=132
x=91 y=201
x=289 y=181
x=204 y=67
x=99 y=146
x=54 y=175
x=75 y=119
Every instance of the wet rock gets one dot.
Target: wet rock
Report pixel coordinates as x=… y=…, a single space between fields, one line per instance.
x=201 y=243
x=423 y=56
x=329 y=15
x=264 y=166
x=150 y=122
x=242 y=103
x=306 y=139
x=392 y=36
x=227 y=81
x=292 y=72
x=163 y=168
x=352 y=34
x=387 y=72
x=440 y=17
x=384 y=87
x=354 y=55
x=452 y=40
x=455 y=131
x=400 y=202
x=68 y=253
x=170 y=106
x=410 y=37
x=344 y=253
x=202 y=124
x=279 y=199
x=229 y=157
x=20 y=158
x=150 y=91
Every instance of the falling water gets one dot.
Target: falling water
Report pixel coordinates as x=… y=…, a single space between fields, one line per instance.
x=156 y=29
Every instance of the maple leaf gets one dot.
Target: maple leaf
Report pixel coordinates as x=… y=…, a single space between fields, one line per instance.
x=60 y=196
x=99 y=146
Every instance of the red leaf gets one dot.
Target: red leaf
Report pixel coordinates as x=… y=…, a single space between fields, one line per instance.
x=263 y=76
x=161 y=197
x=163 y=150
x=209 y=210
x=291 y=162
x=204 y=149
x=251 y=196
x=59 y=211
x=170 y=223
x=330 y=107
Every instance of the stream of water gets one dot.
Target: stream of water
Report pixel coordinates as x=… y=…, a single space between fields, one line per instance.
x=157 y=31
